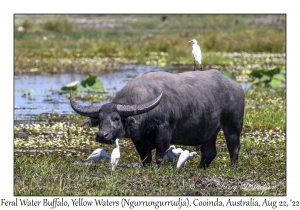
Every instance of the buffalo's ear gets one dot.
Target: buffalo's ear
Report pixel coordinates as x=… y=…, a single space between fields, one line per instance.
x=131 y=127
x=90 y=122
x=130 y=121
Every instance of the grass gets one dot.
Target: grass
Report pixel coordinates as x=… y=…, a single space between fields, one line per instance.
x=265 y=110
x=261 y=170
x=83 y=43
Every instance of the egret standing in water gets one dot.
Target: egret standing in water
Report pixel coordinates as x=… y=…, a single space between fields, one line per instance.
x=173 y=153
x=97 y=155
x=184 y=156
x=196 y=52
x=115 y=156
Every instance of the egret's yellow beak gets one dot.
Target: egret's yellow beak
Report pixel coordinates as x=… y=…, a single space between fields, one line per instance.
x=168 y=149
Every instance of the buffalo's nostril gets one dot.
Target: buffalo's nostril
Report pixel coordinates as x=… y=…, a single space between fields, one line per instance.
x=102 y=136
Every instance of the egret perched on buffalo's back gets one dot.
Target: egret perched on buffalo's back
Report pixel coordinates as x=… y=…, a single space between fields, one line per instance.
x=196 y=52
x=184 y=156
x=173 y=153
x=115 y=156
x=96 y=155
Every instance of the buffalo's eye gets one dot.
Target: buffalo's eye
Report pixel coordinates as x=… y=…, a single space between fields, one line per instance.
x=115 y=118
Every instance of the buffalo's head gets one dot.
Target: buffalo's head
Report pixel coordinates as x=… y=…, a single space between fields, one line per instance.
x=110 y=117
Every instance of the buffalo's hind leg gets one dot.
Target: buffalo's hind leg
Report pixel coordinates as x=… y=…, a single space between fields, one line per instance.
x=232 y=137
x=208 y=151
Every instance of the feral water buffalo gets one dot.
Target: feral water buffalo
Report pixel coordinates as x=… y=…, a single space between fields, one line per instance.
x=159 y=108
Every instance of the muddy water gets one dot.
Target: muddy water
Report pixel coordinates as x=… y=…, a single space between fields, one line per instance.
x=37 y=94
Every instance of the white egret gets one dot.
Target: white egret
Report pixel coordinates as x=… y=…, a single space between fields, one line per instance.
x=173 y=153
x=196 y=52
x=97 y=155
x=184 y=156
x=115 y=156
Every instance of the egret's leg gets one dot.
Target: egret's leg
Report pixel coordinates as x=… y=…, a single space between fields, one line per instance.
x=194 y=65
x=92 y=167
x=112 y=176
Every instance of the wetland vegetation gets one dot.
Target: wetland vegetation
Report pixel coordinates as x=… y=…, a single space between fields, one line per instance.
x=93 y=43
x=49 y=149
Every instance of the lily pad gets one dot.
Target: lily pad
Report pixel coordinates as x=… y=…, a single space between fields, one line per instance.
x=274 y=83
x=229 y=75
x=279 y=76
x=92 y=83
x=264 y=78
x=72 y=84
x=272 y=78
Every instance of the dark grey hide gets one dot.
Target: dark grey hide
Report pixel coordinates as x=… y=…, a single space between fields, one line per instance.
x=159 y=108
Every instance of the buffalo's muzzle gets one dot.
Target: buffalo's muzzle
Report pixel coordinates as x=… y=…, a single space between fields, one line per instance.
x=103 y=137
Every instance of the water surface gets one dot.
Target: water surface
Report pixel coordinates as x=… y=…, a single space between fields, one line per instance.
x=37 y=94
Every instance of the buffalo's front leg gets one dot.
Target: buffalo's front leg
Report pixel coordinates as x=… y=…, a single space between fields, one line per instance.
x=146 y=157
x=144 y=149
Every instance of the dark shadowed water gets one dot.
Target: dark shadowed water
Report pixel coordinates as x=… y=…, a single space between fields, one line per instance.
x=37 y=94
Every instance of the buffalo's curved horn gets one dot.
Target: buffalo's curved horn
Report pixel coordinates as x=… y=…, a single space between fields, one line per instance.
x=129 y=110
x=88 y=111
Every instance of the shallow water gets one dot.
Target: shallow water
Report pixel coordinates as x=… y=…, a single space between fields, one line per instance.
x=37 y=94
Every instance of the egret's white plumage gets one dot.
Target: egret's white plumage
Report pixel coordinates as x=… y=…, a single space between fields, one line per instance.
x=98 y=154
x=196 y=52
x=115 y=156
x=184 y=156
x=173 y=153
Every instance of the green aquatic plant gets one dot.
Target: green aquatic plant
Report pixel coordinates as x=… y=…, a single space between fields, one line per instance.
x=229 y=75
x=90 y=83
x=270 y=78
